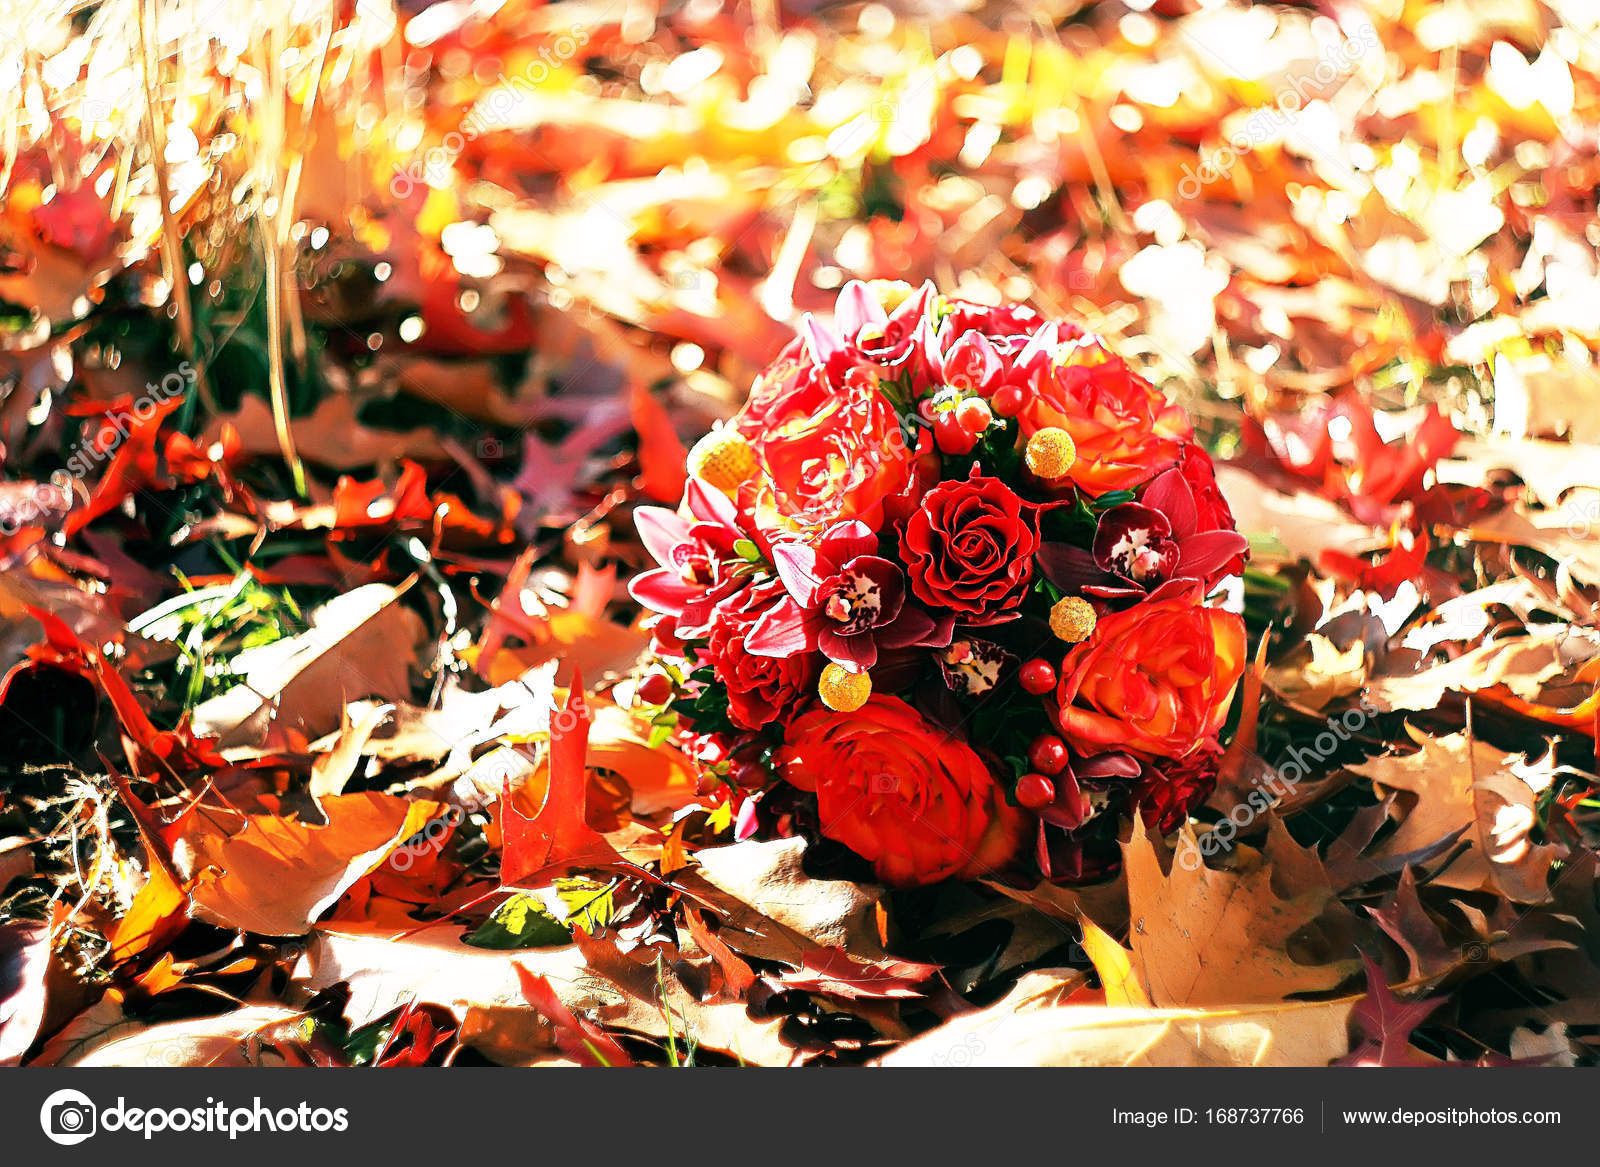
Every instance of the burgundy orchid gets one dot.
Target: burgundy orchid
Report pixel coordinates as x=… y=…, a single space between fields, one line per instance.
x=693 y=552
x=1082 y=789
x=1141 y=547
x=845 y=600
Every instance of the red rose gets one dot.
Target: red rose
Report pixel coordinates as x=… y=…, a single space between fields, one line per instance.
x=969 y=548
x=1166 y=794
x=1155 y=678
x=759 y=687
x=903 y=794
x=828 y=443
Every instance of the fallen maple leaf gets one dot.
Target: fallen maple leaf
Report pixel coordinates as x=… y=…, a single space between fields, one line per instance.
x=1202 y=936
x=1005 y=1034
x=257 y=1035
x=1456 y=782
x=1114 y=965
x=1386 y=1024
x=583 y=1041
x=661 y=454
x=558 y=838
x=834 y=972
x=275 y=875
x=24 y=961
x=361 y=644
x=777 y=911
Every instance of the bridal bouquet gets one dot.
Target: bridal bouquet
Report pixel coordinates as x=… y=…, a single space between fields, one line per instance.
x=938 y=592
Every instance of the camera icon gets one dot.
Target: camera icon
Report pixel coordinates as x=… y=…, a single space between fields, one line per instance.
x=491 y=447
x=68 y=1117
x=883 y=784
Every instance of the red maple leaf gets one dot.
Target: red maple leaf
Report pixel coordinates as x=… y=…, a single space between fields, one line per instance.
x=835 y=972
x=580 y=1040
x=1386 y=1024
x=661 y=454
x=558 y=838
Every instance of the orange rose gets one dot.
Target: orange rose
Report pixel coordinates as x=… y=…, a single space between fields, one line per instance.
x=1125 y=429
x=829 y=445
x=904 y=794
x=1155 y=678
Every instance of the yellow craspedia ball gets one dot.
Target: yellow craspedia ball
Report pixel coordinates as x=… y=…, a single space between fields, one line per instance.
x=843 y=691
x=1051 y=453
x=1072 y=619
x=723 y=459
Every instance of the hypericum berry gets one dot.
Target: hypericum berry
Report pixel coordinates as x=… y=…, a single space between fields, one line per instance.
x=1006 y=401
x=974 y=415
x=950 y=437
x=841 y=690
x=750 y=775
x=1072 y=619
x=1050 y=453
x=1048 y=754
x=1037 y=677
x=1035 y=791
x=723 y=459
x=655 y=689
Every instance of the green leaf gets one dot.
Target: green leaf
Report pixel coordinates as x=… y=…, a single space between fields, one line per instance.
x=520 y=922
x=364 y=1045
x=1111 y=498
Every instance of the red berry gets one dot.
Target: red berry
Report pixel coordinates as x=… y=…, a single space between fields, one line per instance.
x=1037 y=677
x=656 y=689
x=1007 y=401
x=750 y=775
x=974 y=415
x=1035 y=791
x=1048 y=754
x=951 y=438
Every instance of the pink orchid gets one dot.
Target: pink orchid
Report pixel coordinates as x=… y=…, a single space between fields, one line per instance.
x=694 y=551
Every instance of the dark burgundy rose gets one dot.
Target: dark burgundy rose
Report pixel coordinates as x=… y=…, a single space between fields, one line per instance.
x=759 y=687
x=1168 y=792
x=969 y=549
